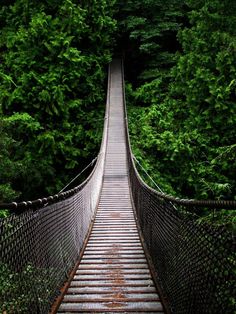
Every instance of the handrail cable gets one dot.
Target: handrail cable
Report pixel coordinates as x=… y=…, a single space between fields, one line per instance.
x=91 y=164
x=145 y=171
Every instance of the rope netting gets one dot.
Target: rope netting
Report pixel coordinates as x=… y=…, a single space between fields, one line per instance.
x=40 y=246
x=194 y=261
x=38 y=249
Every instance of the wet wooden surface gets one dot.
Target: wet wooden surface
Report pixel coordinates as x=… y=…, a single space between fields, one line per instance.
x=113 y=275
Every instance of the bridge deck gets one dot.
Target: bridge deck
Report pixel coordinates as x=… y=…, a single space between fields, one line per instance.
x=113 y=275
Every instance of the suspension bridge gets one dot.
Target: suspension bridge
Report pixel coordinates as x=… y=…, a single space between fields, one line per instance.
x=113 y=244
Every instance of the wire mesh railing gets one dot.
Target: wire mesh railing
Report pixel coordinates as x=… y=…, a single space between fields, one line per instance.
x=194 y=262
x=38 y=249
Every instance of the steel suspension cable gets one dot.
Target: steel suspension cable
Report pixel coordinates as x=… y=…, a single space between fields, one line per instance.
x=145 y=171
x=78 y=175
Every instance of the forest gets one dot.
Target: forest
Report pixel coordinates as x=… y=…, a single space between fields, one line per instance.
x=180 y=72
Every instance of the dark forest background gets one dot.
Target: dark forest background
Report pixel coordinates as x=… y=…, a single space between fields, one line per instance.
x=180 y=64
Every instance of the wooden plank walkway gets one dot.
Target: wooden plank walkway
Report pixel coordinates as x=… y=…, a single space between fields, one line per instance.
x=113 y=275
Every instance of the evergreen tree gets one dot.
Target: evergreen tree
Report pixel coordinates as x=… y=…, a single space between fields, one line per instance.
x=54 y=56
x=148 y=35
x=188 y=132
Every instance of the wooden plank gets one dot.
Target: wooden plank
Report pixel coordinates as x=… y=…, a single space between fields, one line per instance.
x=114 y=256
x=105 y=271
x=112 y=275
x=111 y=250
x=112 y=283
x=114 y=265
x=113 y=305
x=103 y=290
x=113 y=235
x=110 y=296
x=111 y=241
x=114 y=261
x=124 y=245
x=128 y=229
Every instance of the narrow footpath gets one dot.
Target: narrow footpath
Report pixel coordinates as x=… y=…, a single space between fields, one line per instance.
x=113 y=275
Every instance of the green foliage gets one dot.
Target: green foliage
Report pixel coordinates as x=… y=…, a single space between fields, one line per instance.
x=4 y=213
x=149 y=29
x=15 y=295
x=52 y=87
x=10 y=168
x=183 y=132
x=225 y=216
